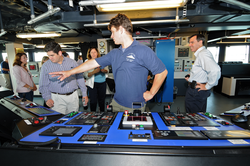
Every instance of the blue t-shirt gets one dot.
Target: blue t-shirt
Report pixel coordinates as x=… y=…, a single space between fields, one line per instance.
x=130 y=69
x=4 y=65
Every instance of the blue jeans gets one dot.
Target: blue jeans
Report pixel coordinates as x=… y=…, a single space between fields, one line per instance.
x=28 y=95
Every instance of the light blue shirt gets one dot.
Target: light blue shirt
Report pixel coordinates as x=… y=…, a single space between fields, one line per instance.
x=205 y=69
x=48 y=84
x=100 y=77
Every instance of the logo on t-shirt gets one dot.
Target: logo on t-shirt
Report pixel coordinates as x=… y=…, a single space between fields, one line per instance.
x=131 y=57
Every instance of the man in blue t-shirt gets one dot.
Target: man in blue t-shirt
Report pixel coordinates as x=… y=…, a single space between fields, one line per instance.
x=130 y=64
x=5 y=73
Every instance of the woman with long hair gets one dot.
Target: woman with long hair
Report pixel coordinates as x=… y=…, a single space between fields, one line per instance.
x=25 y=84
x=96 y=82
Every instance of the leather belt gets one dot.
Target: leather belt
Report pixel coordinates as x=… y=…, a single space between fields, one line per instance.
x=66 y=94
x=189 y=83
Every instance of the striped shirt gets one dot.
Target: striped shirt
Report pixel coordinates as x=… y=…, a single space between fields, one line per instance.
x=205 y=69
x=48 y=84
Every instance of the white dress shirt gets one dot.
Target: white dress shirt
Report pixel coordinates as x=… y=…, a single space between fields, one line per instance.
x=205 y=69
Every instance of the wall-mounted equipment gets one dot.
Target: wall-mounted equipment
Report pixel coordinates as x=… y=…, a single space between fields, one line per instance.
x=102 y=46
x=178 y=65
x=187 y=65
x=184 y=40
x=183 y=52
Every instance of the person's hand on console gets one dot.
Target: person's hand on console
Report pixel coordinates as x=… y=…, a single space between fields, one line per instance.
x=50 y=103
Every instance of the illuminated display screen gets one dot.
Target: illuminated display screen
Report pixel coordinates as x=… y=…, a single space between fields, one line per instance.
x=183 y=52
x=137 y=118
x=32 y=67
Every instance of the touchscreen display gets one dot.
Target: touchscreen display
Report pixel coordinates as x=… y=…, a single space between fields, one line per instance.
x=185 y=134
x=137 y=118
x=61 y=131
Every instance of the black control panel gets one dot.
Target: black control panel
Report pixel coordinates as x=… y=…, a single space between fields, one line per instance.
x=93 y=137
x=186 y=119
x=90 y=118
x=180 y=134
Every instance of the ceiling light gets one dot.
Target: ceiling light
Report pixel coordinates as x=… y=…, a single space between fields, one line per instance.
x=141 y=5
x=42 y=46
x=141 y=22
x=240 y=36
x=37 y=35
x=93 y=2
x=3 y=32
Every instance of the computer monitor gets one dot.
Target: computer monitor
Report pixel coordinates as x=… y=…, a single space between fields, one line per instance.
x=33 y=67
x=183 y=52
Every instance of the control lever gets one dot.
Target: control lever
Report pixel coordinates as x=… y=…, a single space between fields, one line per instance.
x=109 y=107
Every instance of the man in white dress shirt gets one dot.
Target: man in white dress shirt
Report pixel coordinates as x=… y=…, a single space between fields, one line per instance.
x=204 y=75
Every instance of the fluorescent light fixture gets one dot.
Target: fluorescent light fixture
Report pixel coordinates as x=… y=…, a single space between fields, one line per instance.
x=44 y=15
x=3 y=32
x=42 y=46
x=37 y=35
x=93 y=2
x=142 y=22
x=240 y=36
x=145 y=5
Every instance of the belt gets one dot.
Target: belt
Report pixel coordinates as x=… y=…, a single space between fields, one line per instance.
x=66 y=94
x=189 y=83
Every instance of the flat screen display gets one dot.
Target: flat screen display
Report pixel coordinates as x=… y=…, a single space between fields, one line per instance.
x=61 y=131
x=227 y=134
x=137 y=118
x=183 y=52
x=32 y=67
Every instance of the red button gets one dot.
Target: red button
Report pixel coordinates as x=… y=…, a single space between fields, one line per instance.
x=36 y=121
x=40 y=118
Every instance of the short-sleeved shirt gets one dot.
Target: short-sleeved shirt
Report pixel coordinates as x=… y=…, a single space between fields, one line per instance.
x=6 y=66
x=130 y=70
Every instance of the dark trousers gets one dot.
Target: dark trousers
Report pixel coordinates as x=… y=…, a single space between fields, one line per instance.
x=196 y=101
x=28 y=95
x=98 y=93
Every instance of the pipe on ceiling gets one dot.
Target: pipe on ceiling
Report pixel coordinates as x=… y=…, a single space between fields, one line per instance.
x=50 y=12
x=3 y=32
x=237 y=3
x=32 y=16
x=142 y=22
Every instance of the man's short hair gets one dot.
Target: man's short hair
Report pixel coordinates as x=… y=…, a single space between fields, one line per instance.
x=199 y=37
x=121 y=20
x=65 y=54
x=52 y=46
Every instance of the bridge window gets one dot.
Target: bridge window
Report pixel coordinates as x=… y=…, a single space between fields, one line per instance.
x=237 y=53
x=215 y=52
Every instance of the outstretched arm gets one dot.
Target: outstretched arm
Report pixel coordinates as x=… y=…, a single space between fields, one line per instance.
x=88 y=65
